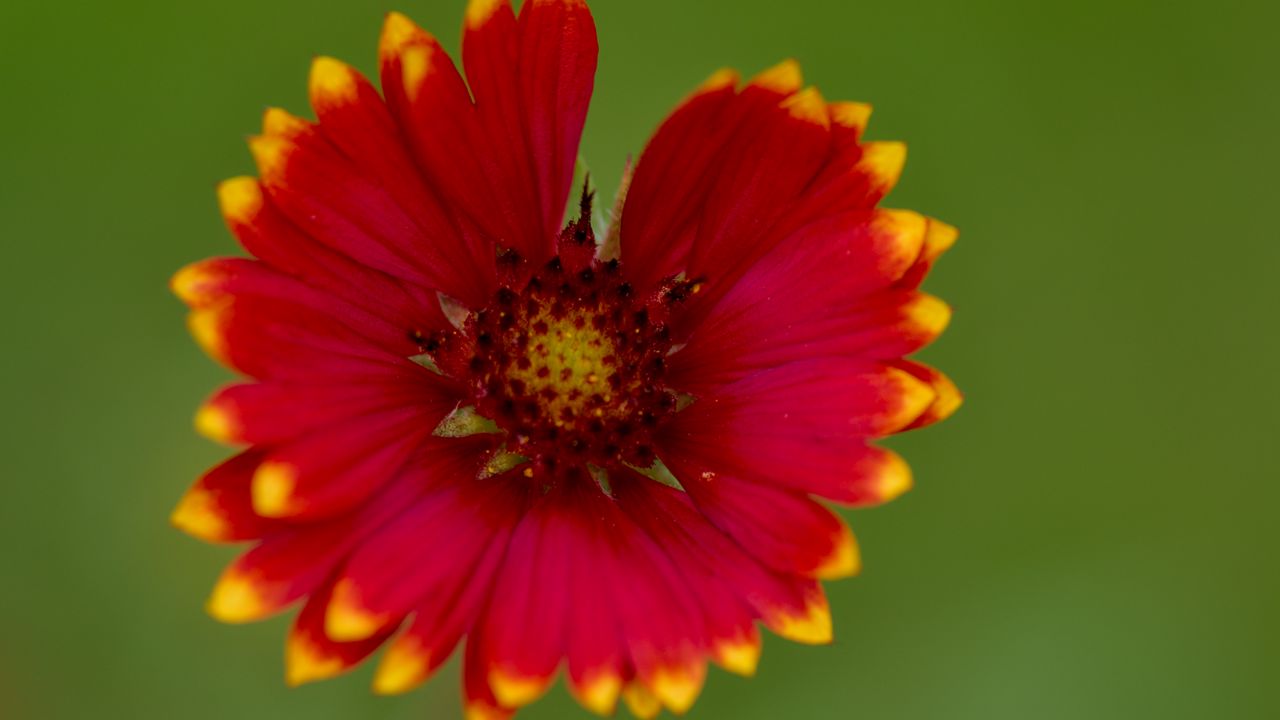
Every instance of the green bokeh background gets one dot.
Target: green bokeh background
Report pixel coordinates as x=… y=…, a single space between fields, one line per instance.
x=1092 y=536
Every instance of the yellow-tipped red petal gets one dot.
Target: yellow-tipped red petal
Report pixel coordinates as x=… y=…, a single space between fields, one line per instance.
x=845 y=560
x=194 y=283
x=913 y=398
x=677 y=687
x=305 y=663
x=415 y=63
x=271 y=154
x=783 y=78
x=939 y=238
x=480 y=711
x=272 y=489
x=808 y=106
x=240 y=199
x=722 y=78
x=480 y=11
x=514 y=690
x=405 y=665
x=929 y=315
x=283 y=124
x=642 y=703
x=197 y=515
x=894 y=478
x=851 y=115
x=206 y=326
x=906 y=232
x=216 y=423
x=598 y=693
x=345 y=619
x=398 y=32
x=883 y=162
x=236 y=599
x=740 y=656
x=811 y=626
x=332 y=82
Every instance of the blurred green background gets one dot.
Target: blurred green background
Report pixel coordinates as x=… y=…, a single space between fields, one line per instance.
x=1092 y=536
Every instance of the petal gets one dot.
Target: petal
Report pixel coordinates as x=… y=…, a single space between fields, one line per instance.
x=439 y=623
x=491 y=54
x=792 y=607
x=326 y=472
x=269 y=413
x=670 y=181
x=803 y=300
x=218 y=507
x=803 y=426
x=354 y=118
x=295 y=561
x=947 y=397
x=522 y=633
x=429 y=552
x=267 y=234
x=557 y=68
x=331 y=199
x=784 y=530
x=939 y=238
x=311 y=656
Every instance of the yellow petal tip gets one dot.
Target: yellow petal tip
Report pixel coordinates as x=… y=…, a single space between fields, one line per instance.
x=677 y=688
x=642 y=703
x=784 y=78
x=722 y=78
x=236 y=599
x=332 y=82
x=196 y=515
x=272 y=489
x=808 y=106
x=398 y=31
x=239 y=199
x=851 y=115
x=812 y=626
x=480 y=11
x=402 y=669
x=883 y=162
x=345 y=620
x=304 y=663
x=844 y=561
x=599 y=694
x=894 y=478
x=216 y=423
x=512 y=690
x=739 y=656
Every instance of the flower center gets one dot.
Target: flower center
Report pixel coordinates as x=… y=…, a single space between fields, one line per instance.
x=571 y=367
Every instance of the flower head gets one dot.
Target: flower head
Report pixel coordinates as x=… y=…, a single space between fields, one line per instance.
x=470 y=422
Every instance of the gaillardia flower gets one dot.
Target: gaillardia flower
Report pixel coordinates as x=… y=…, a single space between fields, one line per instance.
x=475 y=417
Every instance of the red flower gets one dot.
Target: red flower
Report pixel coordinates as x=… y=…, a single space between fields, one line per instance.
x=468 y=420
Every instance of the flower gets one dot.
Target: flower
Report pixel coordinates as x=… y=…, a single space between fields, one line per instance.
x=472 y=422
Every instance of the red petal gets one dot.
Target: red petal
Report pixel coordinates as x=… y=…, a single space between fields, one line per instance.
x=310 y=655
x=268 y=235
x=294 y=561
x=218 y=507
x=326 y=472
x=947 y=397
x=803 y=426
x=274 y=412
x=428 y=552
x=439 y=624
x=522 y=632
x=671 y=180
x=785 y=530
x=557 y=68
x=331 y=199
